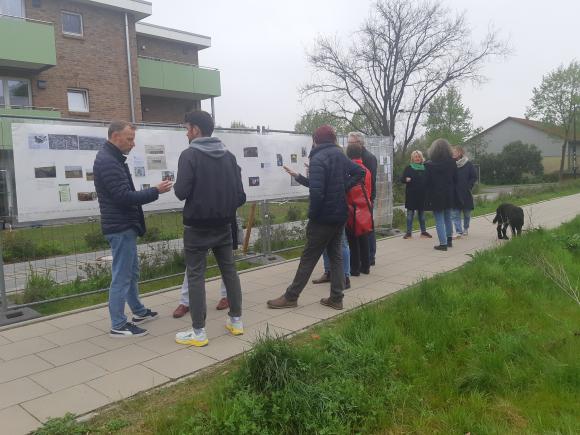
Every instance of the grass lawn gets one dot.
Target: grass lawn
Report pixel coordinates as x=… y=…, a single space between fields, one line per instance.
x=25 y=244
x=491 y=348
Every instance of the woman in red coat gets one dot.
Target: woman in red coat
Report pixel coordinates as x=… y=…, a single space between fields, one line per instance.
x=360 y=217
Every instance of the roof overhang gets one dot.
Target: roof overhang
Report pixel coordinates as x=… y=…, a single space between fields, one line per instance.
x=139 y=8
x=155 y=31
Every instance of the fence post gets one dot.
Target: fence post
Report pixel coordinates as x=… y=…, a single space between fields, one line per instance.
x=4 y=316
x=266 y=229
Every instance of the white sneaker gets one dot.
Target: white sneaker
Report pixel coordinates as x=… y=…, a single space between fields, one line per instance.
x=235 y=325
x=193 y=337
x=457 y=236
x=465 y=232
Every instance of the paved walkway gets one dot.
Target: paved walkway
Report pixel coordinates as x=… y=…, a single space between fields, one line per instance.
x=69 y=364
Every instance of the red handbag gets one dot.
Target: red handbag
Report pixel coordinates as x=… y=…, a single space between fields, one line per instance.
x=360 y=215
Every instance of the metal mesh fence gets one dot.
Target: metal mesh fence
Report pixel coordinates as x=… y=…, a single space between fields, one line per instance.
x=56 y=260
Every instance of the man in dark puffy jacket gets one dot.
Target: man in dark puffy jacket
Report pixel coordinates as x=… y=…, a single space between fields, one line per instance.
x=122 y=221
x=209 y=180
x=332 y=174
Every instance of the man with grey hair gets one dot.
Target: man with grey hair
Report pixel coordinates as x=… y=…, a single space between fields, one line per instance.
x=122 y=221
x=370 y=161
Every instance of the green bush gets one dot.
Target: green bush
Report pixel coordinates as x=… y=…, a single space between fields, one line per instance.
x=153 y=234
x=38 y=286
x=399 y=218
x=16 y=247
x=293 y=214
x=95 y=240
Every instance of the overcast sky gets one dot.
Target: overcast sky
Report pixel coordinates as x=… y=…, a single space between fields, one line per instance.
x=259 y=46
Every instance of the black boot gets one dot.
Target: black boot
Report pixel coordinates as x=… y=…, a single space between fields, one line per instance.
x=450 y=242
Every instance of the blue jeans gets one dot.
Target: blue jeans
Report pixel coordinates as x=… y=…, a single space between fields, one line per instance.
x=456 y=217
x=125 y=277
x=443 y=225
x=345 y=257
x=411 y=215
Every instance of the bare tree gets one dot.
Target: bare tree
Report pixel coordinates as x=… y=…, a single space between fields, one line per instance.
x=555 y=102
x=402 y=56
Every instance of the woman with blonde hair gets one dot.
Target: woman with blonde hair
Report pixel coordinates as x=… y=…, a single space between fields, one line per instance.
x=441 y=177
x=414 y=179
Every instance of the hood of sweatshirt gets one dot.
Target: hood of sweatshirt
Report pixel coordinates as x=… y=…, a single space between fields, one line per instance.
x=211 y=146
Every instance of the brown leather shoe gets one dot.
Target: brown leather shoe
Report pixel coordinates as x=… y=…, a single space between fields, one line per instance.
x=180 y=311
x=282 y=302
x=223 y=304
x=324 y=278
x=337 y=305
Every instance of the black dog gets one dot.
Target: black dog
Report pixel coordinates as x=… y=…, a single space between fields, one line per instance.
x=512 y=215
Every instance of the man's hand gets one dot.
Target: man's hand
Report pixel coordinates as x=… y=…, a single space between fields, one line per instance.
x=290 y=171
x=164 y=186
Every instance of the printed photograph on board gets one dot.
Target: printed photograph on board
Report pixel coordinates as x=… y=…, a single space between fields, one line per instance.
x=145 y=186
x=156 y=162
x=167 y=176
x=45 y=172
x=279 y=160
x=63 y=142
x=294 y=158
x=139 y=171
x=90 y=175
x=251 y=152
x=73 y=172
x=254 y=181
x=38 y=141
x=155 y=149
x=87 y=196
x=64 y=193
x=304 y=152
x=91 y=143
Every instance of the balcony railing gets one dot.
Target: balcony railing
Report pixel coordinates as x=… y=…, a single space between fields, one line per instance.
x=171 y=78
x=26 y=43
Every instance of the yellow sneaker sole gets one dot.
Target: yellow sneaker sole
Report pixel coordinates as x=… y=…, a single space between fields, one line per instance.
x=235 y=331
x=193 y=342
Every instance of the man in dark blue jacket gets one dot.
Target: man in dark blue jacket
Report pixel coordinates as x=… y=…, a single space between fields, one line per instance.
x=122 y=221
x=332 y=174
x=210 y=181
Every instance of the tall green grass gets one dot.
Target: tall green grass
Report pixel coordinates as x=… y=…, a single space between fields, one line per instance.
x=491 y=348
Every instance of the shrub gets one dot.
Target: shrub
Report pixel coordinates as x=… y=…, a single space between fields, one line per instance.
x=16 y=247
x=517 y=163
x=38 y=286
x=153 y=234
x=95 y=240
x=399 y=218
x=293 y=214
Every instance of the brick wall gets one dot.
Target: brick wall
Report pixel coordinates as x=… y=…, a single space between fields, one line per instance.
x=168 y=50
x=96 y=62
x=166 y=110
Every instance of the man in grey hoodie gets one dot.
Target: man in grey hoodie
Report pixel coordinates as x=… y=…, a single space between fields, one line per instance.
x=209 y=180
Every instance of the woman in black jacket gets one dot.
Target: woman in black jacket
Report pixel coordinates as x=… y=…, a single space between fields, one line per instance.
x=414 y=179
x=466 y=178
x=441 y=176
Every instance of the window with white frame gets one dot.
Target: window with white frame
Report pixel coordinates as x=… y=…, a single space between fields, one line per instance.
x=14 y=92
x=72 y=24
x=78 y=100
x=13 y=8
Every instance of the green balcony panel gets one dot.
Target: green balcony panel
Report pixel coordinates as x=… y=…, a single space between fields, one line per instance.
x=26 y=44
x=166 y=78
x=6 y=123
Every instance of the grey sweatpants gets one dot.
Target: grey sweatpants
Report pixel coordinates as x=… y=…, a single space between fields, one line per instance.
x=196 y=243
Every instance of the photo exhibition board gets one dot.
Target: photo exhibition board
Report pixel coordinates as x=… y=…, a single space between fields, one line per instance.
x=53 y=165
